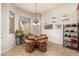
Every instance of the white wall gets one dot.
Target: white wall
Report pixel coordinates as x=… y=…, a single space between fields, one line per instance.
x=4 y=28
x=8 y=40
x=0 y=28
x=56 y=35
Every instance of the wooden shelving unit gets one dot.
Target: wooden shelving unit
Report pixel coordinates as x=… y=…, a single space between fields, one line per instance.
x=71 y=36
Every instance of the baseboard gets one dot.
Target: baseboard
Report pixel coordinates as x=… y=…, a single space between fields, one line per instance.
x=14 y=46
x=55 y=42
x=8 y=49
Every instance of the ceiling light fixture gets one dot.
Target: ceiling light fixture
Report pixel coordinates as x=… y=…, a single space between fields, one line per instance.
x=36 y=21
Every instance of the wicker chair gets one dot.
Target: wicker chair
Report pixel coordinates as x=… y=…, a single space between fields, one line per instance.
x=32 y=42
x=42 y=42
x=29 y=44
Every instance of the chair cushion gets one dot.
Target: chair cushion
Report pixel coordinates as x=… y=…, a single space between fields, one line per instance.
x=43 y=36
x=42 y=40
x=31 y=37
x=28 y=41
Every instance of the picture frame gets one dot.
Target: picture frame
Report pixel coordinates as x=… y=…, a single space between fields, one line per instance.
x=48 y=26
x=58 y=26
x=65 y=17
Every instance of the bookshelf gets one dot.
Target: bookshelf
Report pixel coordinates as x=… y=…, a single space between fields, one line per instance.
x=71 y=36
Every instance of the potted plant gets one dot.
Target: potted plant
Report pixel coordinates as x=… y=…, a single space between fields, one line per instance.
x=19 y=35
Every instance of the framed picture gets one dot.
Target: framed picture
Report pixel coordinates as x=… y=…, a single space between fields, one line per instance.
x=58 y=26
x=54 y=18
x=48 y=26
x=65 y=17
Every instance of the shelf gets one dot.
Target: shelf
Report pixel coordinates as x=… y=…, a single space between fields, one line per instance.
x=75 y=38
x=71 y=33
x=71 y=27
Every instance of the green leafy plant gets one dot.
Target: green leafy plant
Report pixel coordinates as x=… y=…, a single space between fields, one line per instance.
x=19 y=34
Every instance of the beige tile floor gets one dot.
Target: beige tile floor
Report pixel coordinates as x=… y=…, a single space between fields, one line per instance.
x=52 y=50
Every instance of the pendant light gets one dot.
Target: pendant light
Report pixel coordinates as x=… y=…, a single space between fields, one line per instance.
x=36 y=21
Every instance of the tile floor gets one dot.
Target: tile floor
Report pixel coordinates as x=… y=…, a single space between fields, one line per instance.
x=52 y=50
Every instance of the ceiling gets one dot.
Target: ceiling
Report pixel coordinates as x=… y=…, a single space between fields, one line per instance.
x=41 y=7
